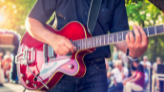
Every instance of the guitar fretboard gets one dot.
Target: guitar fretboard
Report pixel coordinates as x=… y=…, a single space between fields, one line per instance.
x=107 y=39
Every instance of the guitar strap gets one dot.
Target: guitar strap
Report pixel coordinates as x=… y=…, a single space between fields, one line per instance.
x=93 y=15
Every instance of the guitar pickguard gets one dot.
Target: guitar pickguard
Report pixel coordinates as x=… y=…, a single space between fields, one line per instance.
x=48 y=68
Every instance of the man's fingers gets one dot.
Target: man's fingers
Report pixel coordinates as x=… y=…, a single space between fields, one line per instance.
x=132 y=40
x=127 y=39
x=63 y=50
x=144 y=37
x=137 y=34
x=70 y=46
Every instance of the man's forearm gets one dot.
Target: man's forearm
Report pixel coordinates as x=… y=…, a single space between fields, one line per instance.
x=38 y=31
x=121 y=46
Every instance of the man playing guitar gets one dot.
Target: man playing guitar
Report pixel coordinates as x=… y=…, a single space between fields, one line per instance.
x=112 y=18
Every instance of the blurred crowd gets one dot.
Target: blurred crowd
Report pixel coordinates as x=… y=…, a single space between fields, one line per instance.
x=6 y=68
x=122 y=75
x=9 y=43
x=128 y=76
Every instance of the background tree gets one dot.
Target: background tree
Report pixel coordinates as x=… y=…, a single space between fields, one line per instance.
x=13 y=14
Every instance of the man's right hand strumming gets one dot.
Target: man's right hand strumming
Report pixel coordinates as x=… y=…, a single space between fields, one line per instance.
x=60 y=44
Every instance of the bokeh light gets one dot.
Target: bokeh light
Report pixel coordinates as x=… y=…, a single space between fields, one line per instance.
x=2 y=18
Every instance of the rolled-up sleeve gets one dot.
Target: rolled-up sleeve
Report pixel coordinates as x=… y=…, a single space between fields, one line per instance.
x=43 y=10
x=120 y=19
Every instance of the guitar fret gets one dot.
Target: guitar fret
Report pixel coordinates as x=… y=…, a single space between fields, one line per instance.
x=96 y=41
x=79 y=44
x=147 y=32
x=100 y=41
x=93 y=42
x=81 y=47
x=89 y=43
x=151 y=31
x=115 y=37
x=119 y=36
x=155 y=29
x=160 y=29
x=85 y=43
x=122 y=36
x=104 y=40
x=108 y=38
x=112 y=38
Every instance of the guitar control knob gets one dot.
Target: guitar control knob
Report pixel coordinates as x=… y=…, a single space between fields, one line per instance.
x=27 y=82
x=70 y=66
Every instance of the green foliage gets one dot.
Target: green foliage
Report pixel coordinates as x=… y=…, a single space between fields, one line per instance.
x=14 y=13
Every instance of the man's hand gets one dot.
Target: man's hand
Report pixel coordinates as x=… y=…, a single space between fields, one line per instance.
x=61 y=45
x=137 y=45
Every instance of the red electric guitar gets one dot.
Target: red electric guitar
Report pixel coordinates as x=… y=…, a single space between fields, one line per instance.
x=40 y=68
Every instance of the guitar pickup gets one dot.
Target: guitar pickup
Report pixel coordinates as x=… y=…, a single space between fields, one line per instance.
x=48 y=52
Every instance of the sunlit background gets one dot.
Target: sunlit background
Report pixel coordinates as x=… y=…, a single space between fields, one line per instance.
x=14 y=12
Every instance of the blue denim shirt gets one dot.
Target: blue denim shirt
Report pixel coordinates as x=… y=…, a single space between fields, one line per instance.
x=112 y=17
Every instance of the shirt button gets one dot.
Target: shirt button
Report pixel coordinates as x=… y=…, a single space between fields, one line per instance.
x=103 y=9
x=86 y=13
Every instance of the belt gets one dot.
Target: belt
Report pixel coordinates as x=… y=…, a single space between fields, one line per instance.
x=91 y=61
x=98 y=59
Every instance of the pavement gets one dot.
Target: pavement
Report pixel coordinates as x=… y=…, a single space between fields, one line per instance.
x=8 y=87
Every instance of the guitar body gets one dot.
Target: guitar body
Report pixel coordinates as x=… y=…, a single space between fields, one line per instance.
x=42 y=74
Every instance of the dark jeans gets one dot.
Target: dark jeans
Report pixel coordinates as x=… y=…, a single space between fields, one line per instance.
x=95 y=80
x=116 y=88
x=108 y=81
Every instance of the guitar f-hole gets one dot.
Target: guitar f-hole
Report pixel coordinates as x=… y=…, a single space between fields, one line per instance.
x=36 y=77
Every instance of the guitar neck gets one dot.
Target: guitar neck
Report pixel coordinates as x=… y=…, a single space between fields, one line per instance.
x=107 y=39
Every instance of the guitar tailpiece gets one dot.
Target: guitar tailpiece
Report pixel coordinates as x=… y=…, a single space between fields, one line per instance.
x=28 y=57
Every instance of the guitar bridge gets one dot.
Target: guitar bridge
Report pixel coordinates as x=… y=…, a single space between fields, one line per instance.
x=27 y=57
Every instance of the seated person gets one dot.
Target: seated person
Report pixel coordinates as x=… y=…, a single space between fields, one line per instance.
x=136 y=81
x=134 y=69
x=119 y=73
